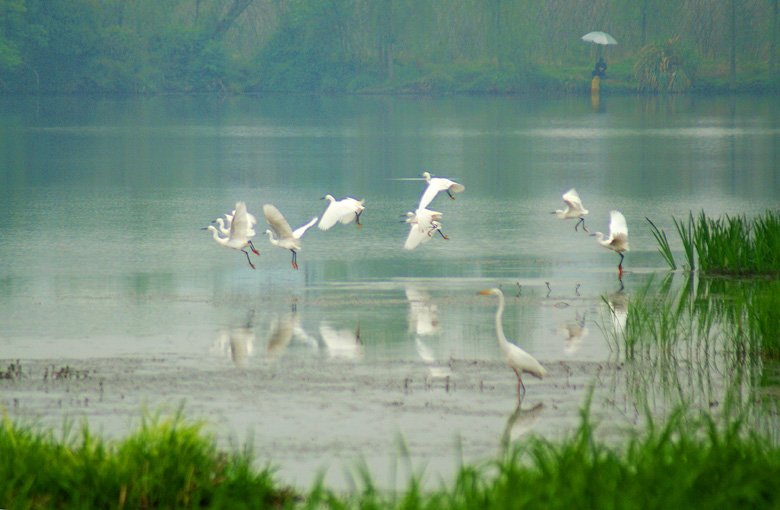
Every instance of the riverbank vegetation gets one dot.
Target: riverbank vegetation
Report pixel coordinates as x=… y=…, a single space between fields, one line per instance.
x=384 y=46
x=688 y=461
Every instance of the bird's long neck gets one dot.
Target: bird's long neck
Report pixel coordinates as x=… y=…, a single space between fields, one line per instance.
x=215 y=234
x=502 y=341
x=271 y=238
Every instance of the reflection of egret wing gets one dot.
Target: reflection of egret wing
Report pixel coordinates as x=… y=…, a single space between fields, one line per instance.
x=242 y=346
x=519 y=422
x=280 y=334
x=425 y=352
x=618 y=302
x=300 y=334
x=427 y=356
x=277 y=222
x=423 y=315
x=342 y=343
x=574 y=331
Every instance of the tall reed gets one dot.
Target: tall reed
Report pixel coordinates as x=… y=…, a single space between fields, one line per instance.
x=731 y=245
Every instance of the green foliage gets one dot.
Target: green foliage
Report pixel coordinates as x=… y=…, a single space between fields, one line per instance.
x=494 y=46
x=735 y=246
x=663 y=244
x=167 y=463
x=665 y=67
x=738 y=245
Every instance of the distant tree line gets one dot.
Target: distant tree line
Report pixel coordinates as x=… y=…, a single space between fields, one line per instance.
x=149 y=46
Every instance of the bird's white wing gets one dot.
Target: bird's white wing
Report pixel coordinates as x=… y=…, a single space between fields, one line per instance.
x=427 y=220
x=456 y=187
x=277 y=222
x=415 y=237
x=428 y=195
x=330 y=216
x=298 y=232
x=240 y=224
x=617 y=225
x=522 y=361
x=572 y=199
x=351 y=209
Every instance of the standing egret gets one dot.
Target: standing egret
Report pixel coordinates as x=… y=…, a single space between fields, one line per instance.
x=285 y=236
x=618 y=237
x=517 y=358
x=238 y=234
x=435 y=185
x=423 y=223
x=573 y=209
x=345 y=211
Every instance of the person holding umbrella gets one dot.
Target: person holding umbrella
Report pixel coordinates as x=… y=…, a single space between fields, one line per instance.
x=601 y=68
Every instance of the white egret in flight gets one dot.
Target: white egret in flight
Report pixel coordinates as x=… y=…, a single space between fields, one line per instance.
x=285 y=236
x=519 y=360
x=224 y=225
x=618 y=237
x=435 y=185
x=573 y=209
x=238 y=235
x=344 y=211
x=423 y=223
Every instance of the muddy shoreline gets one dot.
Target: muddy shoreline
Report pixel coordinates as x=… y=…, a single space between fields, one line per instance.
x=306 y=417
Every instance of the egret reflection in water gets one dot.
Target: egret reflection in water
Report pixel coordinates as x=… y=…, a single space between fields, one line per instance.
x=423 y=314
x=520 y=422
x=342 y=343
x=574 y=331
x=237 y=343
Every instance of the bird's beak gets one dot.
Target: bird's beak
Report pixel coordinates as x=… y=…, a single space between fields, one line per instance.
x=322 y=198
x=483 y=293
x=205 y=228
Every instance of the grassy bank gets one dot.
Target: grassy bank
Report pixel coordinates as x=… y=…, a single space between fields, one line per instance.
x=690 y=462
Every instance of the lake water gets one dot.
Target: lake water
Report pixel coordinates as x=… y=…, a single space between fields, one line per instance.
x=103 y=262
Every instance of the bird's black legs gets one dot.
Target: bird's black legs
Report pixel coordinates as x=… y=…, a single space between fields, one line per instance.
x=442 y=234
x=582 y=220
x=247 y=259
x=520 y=387
x=357 y=218
x=450 y=194
x=294 y=259
x=620 y=265
x=253 y=248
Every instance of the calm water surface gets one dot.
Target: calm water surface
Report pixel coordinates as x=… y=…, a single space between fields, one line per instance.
x=102 y=200
x=101 y=252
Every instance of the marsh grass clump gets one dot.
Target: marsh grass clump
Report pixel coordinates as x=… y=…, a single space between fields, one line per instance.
x=728 y=246
x=166 y=463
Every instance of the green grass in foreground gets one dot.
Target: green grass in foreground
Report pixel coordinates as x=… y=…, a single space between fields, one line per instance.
x=683 y=463
x=166 y=463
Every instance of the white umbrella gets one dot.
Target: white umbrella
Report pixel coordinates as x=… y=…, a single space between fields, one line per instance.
x=599 y=38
